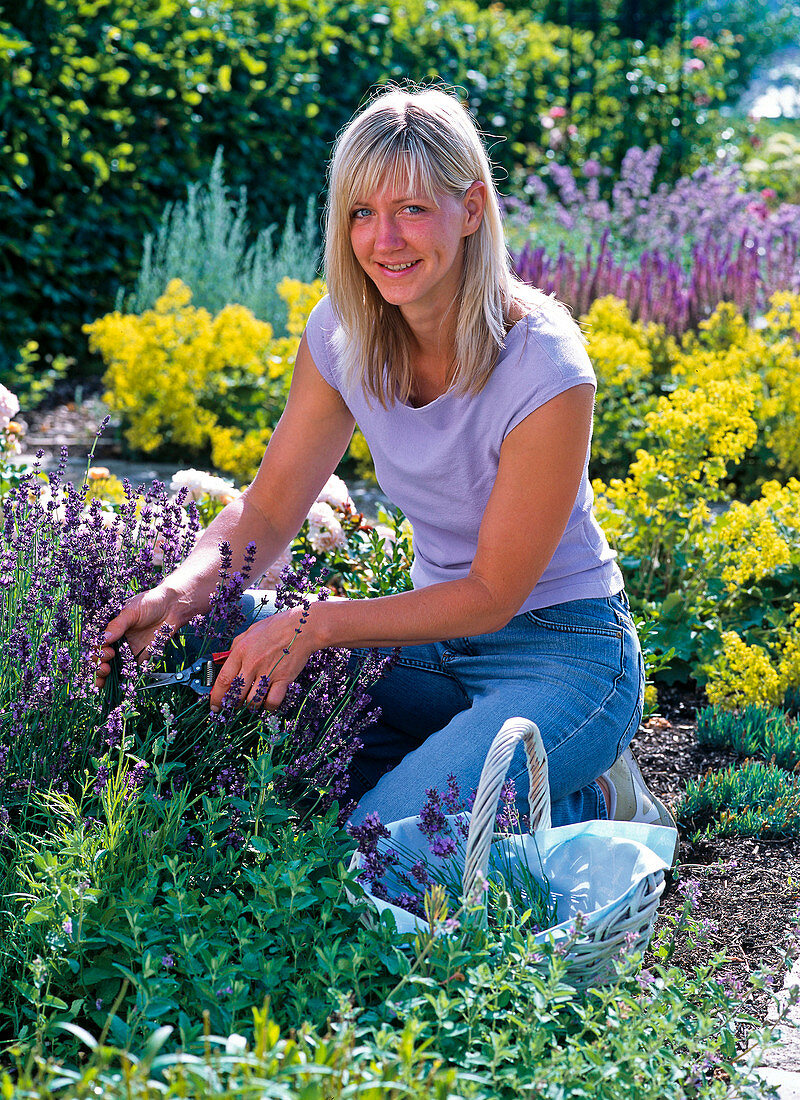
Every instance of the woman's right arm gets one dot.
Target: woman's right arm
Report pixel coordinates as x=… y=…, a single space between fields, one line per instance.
x=304 y=450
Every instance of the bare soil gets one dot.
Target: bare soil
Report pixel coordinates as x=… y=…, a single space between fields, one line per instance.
x=747 y=888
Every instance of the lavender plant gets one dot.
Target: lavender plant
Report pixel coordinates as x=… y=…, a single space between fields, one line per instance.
x=672 y=253
x=68 y=566
x=753 y=730
x=422 y=882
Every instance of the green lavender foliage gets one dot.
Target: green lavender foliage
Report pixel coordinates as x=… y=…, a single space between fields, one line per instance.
x=207 y=243
x=753 y=730
x=751 y=799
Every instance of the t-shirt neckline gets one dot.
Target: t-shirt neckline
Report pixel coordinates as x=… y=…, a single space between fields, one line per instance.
x=448 y=392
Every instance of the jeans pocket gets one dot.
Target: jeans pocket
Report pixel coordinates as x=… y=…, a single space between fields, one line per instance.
x=590 y=616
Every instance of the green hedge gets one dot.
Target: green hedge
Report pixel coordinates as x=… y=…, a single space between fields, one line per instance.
x=108 y=108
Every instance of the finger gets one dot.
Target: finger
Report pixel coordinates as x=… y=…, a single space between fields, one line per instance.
x=229 y=671
x=257 y=693
x=276 y=694
x=120 y=624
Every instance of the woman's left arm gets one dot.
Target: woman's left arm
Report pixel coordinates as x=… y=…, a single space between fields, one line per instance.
x=540 y=469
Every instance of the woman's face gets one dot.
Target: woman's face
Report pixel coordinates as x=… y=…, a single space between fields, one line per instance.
x=412 y=247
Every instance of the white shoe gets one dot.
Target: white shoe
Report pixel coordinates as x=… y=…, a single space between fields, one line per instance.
x=630 y=798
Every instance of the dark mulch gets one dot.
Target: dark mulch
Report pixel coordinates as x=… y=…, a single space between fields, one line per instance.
x=748 y=889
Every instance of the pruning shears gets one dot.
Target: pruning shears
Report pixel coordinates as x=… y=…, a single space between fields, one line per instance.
x=199 y=676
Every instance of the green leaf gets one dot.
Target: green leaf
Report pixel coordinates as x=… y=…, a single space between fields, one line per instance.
x=80 y=1033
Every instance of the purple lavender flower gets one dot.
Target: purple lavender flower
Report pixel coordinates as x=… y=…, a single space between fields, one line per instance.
x=368 y=834
x=443 y=846
x=452 y=796
x=432 y=820
x=420 y=872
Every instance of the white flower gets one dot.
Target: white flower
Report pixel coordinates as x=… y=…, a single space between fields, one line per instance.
x=9 y=406
x=387 y=537
x=324 y=530
x=334 y=492
x=200 y=484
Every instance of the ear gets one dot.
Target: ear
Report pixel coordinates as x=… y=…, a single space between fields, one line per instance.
x=474 y=202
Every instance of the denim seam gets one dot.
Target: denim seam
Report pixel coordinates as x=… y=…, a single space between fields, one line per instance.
x=570 y=628
x=409 y=662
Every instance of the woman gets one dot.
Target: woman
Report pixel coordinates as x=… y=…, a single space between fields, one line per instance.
x=475 y=394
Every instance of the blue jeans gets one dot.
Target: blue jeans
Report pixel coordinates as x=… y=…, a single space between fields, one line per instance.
x=574 y=668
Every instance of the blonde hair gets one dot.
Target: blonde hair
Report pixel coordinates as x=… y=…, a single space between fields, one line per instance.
x=425 y=141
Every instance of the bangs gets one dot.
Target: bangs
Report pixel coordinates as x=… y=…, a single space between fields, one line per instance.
x=402 y=163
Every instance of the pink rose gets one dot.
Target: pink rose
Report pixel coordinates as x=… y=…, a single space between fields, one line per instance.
x=700 y=42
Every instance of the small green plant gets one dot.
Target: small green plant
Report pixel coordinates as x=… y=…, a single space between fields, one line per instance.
x=31 y=378
x=208 y=244
x=753 y=730
x=754 y=799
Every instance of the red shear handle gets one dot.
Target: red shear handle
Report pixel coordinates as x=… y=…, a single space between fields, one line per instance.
x=219 y=657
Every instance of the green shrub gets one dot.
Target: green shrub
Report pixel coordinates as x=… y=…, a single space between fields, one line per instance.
x=753 y=799
x=107 y=110
x=766 y=731
x=206 y=243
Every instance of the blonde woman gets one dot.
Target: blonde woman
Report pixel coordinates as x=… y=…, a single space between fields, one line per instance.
x=475 y=394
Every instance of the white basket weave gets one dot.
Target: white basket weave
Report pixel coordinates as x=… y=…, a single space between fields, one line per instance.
x=621 y=910
x=605 y=932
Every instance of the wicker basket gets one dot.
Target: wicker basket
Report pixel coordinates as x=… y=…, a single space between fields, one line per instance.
x=615 y=869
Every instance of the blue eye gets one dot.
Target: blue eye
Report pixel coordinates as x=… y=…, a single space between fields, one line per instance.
x=357 y=214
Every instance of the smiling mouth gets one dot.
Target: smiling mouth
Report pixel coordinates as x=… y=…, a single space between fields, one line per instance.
x=394 y=268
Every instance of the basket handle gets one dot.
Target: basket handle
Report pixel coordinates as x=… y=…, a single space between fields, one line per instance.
x=484 y=811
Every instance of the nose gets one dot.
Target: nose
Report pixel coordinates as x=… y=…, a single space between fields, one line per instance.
x=387 y=234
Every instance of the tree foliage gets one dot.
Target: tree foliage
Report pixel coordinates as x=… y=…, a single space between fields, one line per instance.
x=109 y=108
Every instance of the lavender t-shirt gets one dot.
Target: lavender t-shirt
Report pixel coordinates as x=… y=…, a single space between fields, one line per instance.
x=438 y=463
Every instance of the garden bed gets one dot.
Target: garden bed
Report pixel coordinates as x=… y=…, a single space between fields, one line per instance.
x=747 y=889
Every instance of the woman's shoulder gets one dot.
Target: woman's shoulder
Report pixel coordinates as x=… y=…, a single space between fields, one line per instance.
x=322 y=316
x=548 y=334
x=320 y=331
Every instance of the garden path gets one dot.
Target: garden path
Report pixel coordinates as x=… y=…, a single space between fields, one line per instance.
x=782 y=1065
x=73 y=424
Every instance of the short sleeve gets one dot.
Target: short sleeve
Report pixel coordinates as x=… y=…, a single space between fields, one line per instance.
x=553 y=359
x=319 y=331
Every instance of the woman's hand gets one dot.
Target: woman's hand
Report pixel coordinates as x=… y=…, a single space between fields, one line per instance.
x=140 y=619
x=275 y=649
